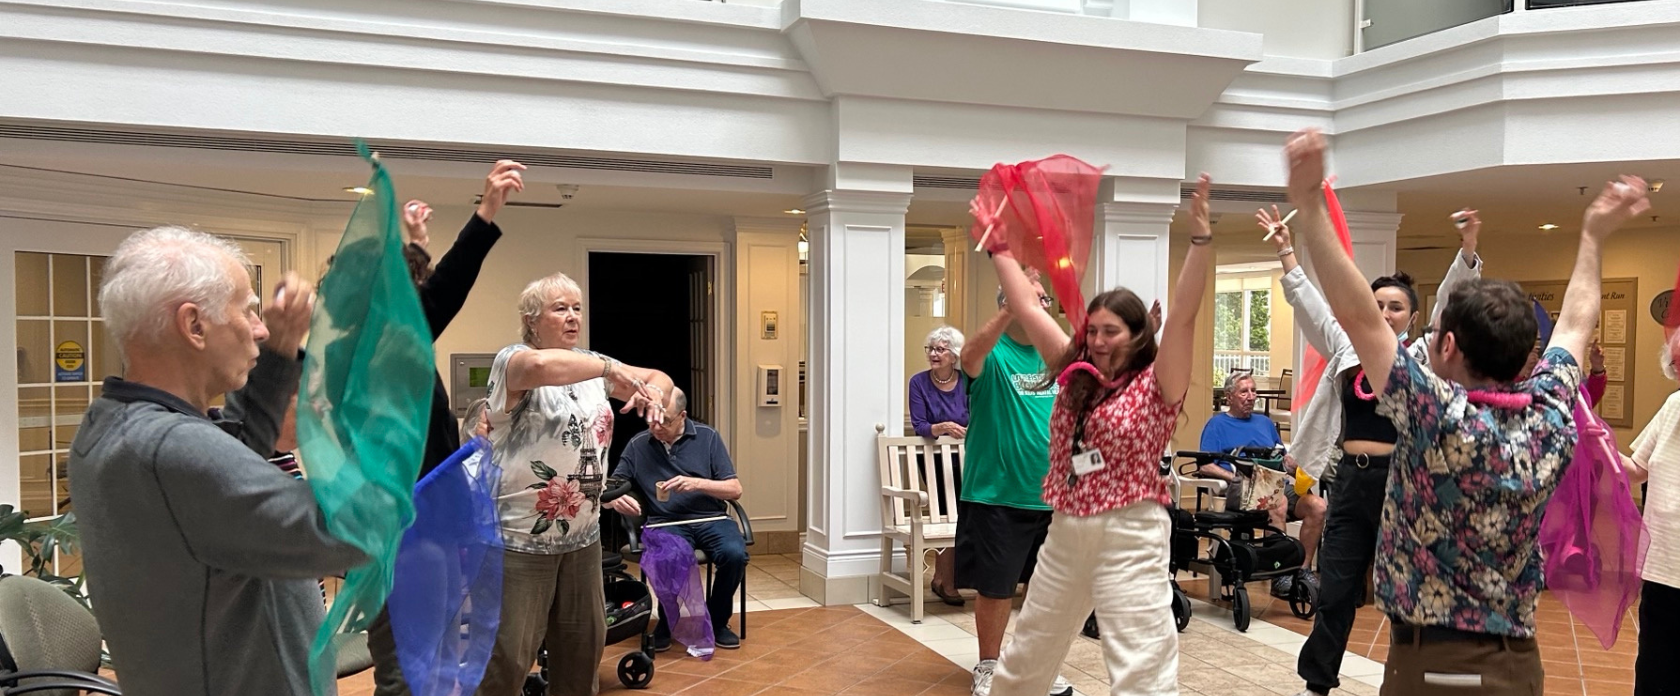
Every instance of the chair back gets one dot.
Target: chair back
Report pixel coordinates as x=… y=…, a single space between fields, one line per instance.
x=919 y=464
x=45 y=629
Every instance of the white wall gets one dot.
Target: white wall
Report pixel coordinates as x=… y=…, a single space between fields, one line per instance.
x=1293 y=28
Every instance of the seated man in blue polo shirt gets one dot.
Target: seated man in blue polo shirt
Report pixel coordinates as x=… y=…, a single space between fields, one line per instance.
x=683 y=472
x=1240 y=426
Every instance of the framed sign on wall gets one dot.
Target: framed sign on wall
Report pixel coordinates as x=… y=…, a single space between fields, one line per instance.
x=1616 y=335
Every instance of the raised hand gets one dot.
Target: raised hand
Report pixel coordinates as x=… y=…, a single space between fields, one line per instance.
x=1304 y=152
x=414 y=217
x=1155 y=317
x=1200 y=227
x=1618 y=203
x=1272 y=223
x=287 y=316
x=993 y=238
x=503 y=180
x=1595 y=356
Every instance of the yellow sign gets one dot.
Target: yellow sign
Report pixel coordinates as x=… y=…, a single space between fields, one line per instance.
x=71 y=359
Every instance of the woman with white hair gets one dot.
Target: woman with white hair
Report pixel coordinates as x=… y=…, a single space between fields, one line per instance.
x=1656 y=461
x=550 y=427
x=939 y=408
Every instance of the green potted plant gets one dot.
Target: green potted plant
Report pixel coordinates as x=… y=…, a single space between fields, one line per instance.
x=40 y=540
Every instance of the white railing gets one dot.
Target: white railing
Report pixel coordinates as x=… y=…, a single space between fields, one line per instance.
x=1226 y=361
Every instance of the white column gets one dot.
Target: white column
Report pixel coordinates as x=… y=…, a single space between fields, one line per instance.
x=768 y=314
x=1131 y=247
x=1374 y=241
x=856 y=375
x=1374 y=247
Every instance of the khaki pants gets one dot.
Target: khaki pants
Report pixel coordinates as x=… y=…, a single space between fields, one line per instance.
x=1117 y=562
x=1490 y=666
x=555 y=601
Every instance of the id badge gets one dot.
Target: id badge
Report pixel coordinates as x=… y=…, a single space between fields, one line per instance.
x=1087 y=462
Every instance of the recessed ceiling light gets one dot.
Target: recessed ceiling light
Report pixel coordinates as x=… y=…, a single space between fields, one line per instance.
x=359 y=190
x=794 y=211
x=1656 y=185
x=1548 y=227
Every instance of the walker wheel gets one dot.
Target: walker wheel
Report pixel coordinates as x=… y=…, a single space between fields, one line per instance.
x=1181 y=609
x=635 y=670
x=1303 y=599
x=1239 y=609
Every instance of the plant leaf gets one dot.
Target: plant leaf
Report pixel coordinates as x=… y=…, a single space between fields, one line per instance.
x=542 y=470
x=536 y=486
x=541 y=526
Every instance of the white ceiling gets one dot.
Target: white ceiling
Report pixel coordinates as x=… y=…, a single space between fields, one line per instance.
x=1512 y=200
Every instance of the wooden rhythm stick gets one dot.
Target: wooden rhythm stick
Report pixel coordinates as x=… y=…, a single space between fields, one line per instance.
x=988 y=234
x=1279 y=225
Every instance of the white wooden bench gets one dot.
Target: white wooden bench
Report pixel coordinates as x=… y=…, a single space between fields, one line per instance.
x=912 y=513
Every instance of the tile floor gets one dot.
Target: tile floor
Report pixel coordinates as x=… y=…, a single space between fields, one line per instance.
x=796 y=647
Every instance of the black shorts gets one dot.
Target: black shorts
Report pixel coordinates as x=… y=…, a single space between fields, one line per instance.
x=997 y=547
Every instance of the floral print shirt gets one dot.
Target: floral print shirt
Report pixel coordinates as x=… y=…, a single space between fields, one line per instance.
x=552 y=449
x=1467 y=486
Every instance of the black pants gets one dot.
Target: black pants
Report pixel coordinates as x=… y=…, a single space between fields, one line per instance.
x=1344 y=552
x=382 y=645
x=1659 y=641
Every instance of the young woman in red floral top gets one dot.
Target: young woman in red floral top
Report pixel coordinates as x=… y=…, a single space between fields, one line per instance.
x=1107 y=548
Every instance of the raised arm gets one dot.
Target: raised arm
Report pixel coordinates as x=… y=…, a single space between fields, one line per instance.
x=1312 y=312
x=1022 y=297
x=1344 y=287
x=980 y=344
x=1619 y=202
x=1466 y=265
x=260 y=406
x=1178 y=334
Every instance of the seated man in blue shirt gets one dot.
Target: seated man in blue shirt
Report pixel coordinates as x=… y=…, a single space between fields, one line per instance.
x=1240 y=426
x=683 y=472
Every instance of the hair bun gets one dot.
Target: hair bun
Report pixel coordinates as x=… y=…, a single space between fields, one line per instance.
x=1403 y=277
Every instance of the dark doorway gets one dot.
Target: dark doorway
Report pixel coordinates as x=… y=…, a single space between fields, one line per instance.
x=655 y=311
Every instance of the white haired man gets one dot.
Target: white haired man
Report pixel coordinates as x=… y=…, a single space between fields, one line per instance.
x=1239 y=426
x=202 y=554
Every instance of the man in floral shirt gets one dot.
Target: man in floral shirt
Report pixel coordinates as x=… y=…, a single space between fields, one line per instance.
x=1458 y=570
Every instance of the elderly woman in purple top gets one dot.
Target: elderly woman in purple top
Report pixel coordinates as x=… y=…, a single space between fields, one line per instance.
x=939 y=407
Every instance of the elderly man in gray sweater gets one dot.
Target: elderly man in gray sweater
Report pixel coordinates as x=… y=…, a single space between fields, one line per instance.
x=200 y=556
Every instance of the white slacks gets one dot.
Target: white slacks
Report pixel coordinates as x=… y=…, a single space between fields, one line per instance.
x=1116 y=561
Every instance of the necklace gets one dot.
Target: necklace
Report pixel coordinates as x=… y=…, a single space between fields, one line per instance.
x=947 y=380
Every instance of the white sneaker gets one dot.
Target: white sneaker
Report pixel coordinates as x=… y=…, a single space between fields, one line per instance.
x=983 y=678
x=1062 y=687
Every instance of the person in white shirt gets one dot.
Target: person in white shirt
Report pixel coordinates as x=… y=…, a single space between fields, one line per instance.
x=1656 y=460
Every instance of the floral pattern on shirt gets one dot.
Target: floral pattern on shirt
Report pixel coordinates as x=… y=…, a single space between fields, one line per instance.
x=1467 y=486
x=552 y=448
x=1130 y=429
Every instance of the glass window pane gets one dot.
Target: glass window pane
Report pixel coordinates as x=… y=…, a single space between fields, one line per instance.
x=61 y=488
x=34 y=419
x=1260 y=320
x=68 y=407
x=103 y=358
x=70 y=351
x=32 y=288
x=35 y=485
x=1227 y=321
x=96 y=277
x=70 y=288
x=34 y=351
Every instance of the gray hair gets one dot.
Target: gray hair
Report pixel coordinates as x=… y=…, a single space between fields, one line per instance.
x=1666 y=360
x=155 y=271
x=536 y=296
x=475 y=413
x=1233 y=378
x=948 y=335
x=679 y=400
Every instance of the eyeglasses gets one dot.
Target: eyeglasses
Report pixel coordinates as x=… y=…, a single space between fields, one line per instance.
x=1044 y=301
x=936 y=350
